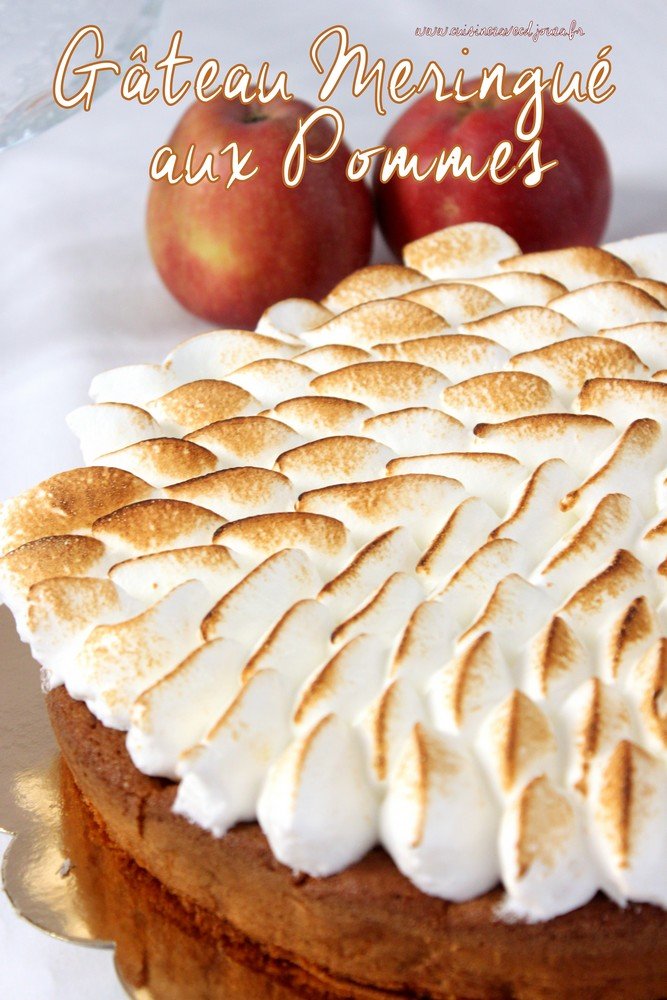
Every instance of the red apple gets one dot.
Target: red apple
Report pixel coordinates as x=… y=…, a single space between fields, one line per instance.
x=569 y=207
x=226 y=254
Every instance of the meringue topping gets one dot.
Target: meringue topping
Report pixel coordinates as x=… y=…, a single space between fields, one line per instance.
x=390 y=569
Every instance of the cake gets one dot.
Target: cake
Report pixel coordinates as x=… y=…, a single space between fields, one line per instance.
x=353 y=627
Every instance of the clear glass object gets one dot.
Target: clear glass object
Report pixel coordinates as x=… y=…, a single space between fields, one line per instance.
x=32 y=38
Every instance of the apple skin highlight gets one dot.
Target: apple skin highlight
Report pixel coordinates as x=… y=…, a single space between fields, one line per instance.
x=569 y=207
x=227 y=253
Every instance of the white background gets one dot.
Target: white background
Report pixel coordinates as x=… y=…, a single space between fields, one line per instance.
x=78 y=293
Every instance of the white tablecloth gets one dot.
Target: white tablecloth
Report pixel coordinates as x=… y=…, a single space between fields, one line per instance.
x=78 y=293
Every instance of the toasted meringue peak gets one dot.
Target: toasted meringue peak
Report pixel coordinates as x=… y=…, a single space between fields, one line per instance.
x=623 y=399
x=255 y=604
x=151 y=525
x=631 y=817
x=388 y=723
x=569 y=363
x=469 y=588
x=614 y=587
x=383 y=384
x=455 y=355
x=255 y=440
x=419 y=502
x=557 y=662
x=466 y=250
x=593 y=542
x=317 y=416
x=456 y=302
x=150 y=577
x=343 y=458
x=607 y=305
x=517 y=743
x=346 y=684
x=54 y=555
x=488 y=475
x=61 y=610
x=162 y=461
x=466 y=530
x=384 y=321
x=426 y=642
x=638 y=454
x=105 y=427
x=545 y=861
x=386 y=611
x=323 y=538
x=514 y=612
x=416 y=430
x=523 y=327
x=296 y=645
x=647 y=340
x=216 y=354
x=573 y=267
x=199 y=403
x=223 y=775
x=520 y=288
x=291 y=316
x=656 y=289
x=332 y=356
x=177 y=711
x=648 y=684
x=631 y=633
x=67 y=503
x=132 y=384
x=597 y=717
x=572 y=437
x=379 y=281
x=394 y=550
x=536 y=521
x=465 y=690
x=647 y=255
x=272 y=379
x=237 y=492
x=119 y=661
x=434 y=786
x=317 y=808
x=499 y=396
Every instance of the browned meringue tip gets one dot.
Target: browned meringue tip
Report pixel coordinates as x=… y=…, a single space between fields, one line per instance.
x=53 y=555
x=224 y=351
x=202 y=402
x=383 y=320
x=329 y=357
x=235 y=490
x=336 y=459
x=520 y=288
x=286 y=529
x=469 y=249
x=656 y=289
x=156 y=524
x=383 y=383
x=248 y=438
x=452 y=354
x=571 y=266
x=163 y=460
x=68 y=502
x=646 y=398
x=578 y=359
x=329 y=414
x=501 y=395
x=378 y=281
x=456 y=302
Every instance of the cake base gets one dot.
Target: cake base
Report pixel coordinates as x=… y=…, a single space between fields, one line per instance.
x=366 y=932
